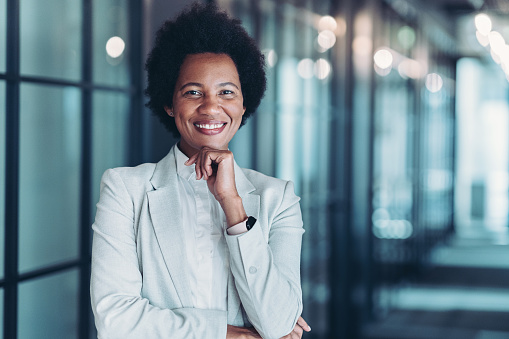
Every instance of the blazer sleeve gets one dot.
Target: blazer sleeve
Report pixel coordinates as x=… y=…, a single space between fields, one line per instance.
x=116 y=281
x=267 y=275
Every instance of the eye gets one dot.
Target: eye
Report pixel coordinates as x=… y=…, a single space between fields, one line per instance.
x=192 y=93
x=227 y=93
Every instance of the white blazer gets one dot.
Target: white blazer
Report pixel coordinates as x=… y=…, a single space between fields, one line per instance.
x=139 y=283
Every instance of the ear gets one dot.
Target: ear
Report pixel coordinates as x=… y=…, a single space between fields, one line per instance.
x=244 y=111
x=169 y=111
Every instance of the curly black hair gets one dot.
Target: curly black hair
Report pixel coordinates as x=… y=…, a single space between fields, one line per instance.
x=202 y=29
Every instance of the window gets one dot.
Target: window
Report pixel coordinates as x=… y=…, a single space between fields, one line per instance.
x=67 y=98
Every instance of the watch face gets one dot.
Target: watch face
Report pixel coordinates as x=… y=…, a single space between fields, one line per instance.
x=250 y=223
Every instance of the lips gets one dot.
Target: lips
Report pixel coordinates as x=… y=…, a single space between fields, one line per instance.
x=209 y=127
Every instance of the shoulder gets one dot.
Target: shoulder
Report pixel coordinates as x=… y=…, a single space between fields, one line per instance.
x=130 y=177
x=142 y=171
x=267 y=185
x=260 y=180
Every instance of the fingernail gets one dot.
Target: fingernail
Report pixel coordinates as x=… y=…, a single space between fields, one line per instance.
x=309 y=328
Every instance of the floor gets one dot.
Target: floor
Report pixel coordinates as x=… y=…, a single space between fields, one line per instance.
x=464 y=296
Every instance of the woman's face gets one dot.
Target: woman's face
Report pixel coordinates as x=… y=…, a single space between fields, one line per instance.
x=207 y=102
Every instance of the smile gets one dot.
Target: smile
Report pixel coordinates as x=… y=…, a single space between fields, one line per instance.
x=210 y=126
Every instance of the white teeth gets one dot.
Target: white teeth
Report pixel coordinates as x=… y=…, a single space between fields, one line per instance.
x=209 y=126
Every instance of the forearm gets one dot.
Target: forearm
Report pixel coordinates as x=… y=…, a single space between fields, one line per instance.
x=233 y=210
x=271 y=295
x=127 y=317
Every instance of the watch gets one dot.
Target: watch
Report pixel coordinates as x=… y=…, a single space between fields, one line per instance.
x=250 y=222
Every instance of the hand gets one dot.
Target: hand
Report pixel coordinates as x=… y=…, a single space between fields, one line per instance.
x=298 y=330
x=217 y=167
x=235 y=332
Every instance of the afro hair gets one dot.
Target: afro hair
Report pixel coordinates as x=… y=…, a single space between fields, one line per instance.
x=202 y=29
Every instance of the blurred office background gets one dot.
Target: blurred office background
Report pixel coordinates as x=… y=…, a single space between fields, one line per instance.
x=391 y=117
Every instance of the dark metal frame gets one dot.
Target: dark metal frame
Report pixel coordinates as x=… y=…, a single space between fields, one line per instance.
x=12 y=278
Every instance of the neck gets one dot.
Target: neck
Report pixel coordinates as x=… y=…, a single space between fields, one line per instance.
x=186 y=149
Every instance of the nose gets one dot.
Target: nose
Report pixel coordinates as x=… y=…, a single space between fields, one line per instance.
x=210 y=105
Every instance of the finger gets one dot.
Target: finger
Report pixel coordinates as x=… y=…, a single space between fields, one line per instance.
x=299 y=330
x=206 y=164
x=191 y=160
x=302 y=323
x=197 y=168
x=210 y=160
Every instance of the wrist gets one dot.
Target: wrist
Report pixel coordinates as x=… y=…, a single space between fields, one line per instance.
x=233 y=210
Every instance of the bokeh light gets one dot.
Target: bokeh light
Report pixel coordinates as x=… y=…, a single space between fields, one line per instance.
x=482 y=39
x=305 y=68
x=270 y=57
x=327 y=23
x=115 y=47
x=483 y=23
x=386 y=228
x=409 y=68
x=497 y=41
x=383 y=58
x=406 y=37
x=322 y=69
x=434 y=82
x=326 y=39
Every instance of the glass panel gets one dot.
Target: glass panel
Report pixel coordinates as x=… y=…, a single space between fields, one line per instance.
x=482 y=158
x=48 y=307
x=3 y=34
x=51 y=38
x=110 y=135
x=2 y=176
x=110 y=39
x=49 y=175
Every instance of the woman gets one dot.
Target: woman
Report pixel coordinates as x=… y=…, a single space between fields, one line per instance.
x=194 y=246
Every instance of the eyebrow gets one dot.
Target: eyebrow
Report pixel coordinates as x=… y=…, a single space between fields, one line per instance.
x=223 y=84
x=228 y=83
x=191 y=84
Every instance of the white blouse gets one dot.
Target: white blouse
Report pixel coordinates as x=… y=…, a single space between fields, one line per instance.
x=206 y=249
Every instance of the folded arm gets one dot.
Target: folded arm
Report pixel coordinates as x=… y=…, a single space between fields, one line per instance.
x=267 y=275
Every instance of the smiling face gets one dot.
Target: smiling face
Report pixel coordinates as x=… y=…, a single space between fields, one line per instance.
x=207 y=102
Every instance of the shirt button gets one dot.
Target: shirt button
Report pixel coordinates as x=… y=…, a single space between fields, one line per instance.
x=252 y=270
x=200 y=257
x=199 y=234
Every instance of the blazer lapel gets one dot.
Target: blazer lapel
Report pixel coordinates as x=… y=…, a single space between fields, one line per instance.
x=164 y=207
x=251 y=202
